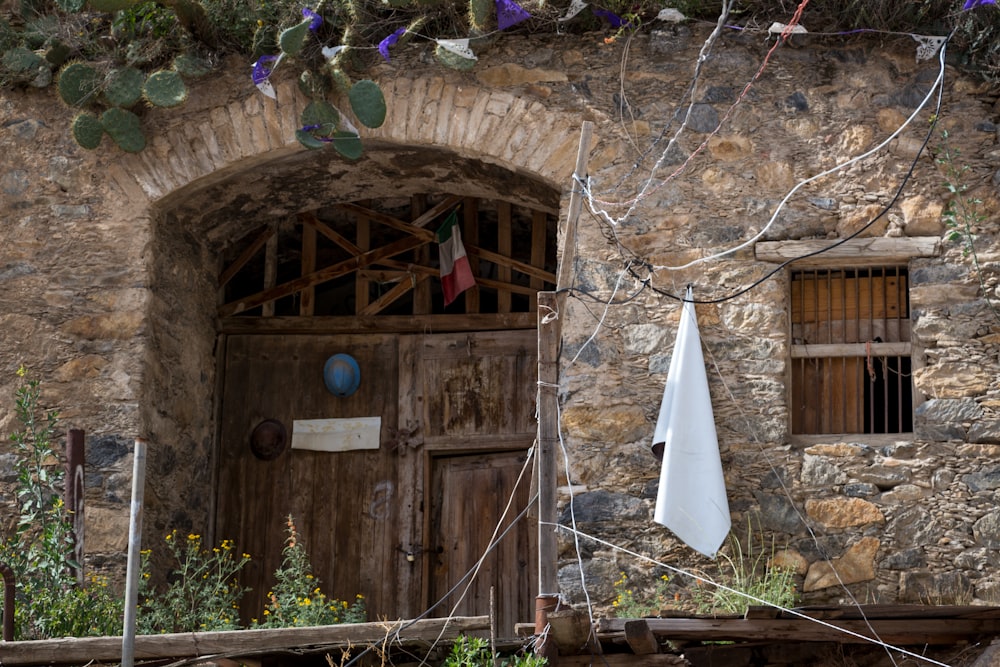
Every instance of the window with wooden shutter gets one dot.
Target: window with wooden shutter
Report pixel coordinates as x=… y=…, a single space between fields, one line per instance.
x=851 y=351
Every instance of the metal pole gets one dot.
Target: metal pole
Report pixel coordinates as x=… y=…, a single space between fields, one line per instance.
x=134 y=546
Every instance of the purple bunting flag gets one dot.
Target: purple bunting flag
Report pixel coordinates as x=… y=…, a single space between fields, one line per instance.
x=609 y=16
x=972 y=4
x=262 y=69
x=315 y=20
x=383 y=46
x=510 y=13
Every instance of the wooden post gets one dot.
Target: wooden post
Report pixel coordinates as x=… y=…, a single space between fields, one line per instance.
x=74 y=493
x=550 y=311
x=134 y=545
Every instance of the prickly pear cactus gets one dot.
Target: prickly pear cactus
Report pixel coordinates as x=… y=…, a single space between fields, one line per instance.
x=190 y=65
x=123 y=87
x=20 y=60
x=480 y=12
x=368 y=103
x=124 y=128
x=87 y=130
x=291 y=40
x=165 y=88
x=78 y=84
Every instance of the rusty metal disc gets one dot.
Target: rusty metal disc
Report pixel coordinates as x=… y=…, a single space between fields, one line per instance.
x=268 y=439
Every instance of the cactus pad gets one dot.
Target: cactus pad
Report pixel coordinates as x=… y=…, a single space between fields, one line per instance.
x=368 y=103
x=188 y=64
x=123 y=87
x=322 y=114
x=123 y=126
x=20 y=60
x=78 y=84
x=87 y=130
x=291 y=40
x=347 y=144
x=165 y=88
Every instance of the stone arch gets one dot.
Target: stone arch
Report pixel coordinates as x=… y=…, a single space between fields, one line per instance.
x=207 y=181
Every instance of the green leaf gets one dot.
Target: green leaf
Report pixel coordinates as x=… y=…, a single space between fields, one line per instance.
x=368 y=103
x=308 y=140
x=291 y=40
x=347 y=144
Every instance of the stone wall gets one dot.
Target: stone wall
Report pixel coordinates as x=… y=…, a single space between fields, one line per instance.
x=108 y=295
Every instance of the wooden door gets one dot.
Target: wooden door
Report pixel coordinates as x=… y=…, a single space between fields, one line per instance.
x=476 y=500
x=472 y=397
x=345 y=504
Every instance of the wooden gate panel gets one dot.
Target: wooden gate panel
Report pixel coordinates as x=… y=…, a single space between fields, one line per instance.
x=341 y=501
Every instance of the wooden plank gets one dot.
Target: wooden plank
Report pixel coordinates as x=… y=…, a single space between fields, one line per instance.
x=266 y=232
x=396 y=292
x=855 y=252
x=835 y=298
x=640 y=638
x=539 y=222
x=571 y=631
x=381 y=323
x=421 y=291
x=549 y=335
x=504 y=250
x=567 y=251
x=850 y=350
x=307 y=297
x=623 y=660
x=321 y=276
x=314 y=222
x=416 y=226
x=270 y=273
x=361 y=284
x=470 y=235
x=904 y=632
x=500 y=260
x=409 y=593
x=234 y=643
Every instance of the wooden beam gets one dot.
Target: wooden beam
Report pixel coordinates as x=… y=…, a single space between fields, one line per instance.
x=266 y=232
x=567 y=254
x=500 y=260
x=504 y=250
x=270 y=272
x=234 y=643
x=307 y=298
x=572 y=633
x=399 y=290
x=640 y=638
x=321 y=276
x=383 y=323
x=549 y=335
x=415 y=227
x=363 y=234
x=838 y=350
x=855 y=252
x=539 y=223
x=623 y=660
x=904 y=632
x=470 y=235
x=421 y=291
x=333 y=235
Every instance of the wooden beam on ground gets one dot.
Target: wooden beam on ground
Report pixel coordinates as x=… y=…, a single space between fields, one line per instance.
x=572 y=633
x=265 y=233
x=623 y=660
x=903 y=632
x=234 y=643
x=321 y=276
x=640 y=638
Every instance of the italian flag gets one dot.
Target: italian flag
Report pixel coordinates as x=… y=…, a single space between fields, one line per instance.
x=456 y=275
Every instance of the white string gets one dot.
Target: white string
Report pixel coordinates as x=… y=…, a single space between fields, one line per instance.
x=607 y=307
x=760 y=601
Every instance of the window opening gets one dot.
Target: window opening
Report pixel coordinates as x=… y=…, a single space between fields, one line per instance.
x=851 y=351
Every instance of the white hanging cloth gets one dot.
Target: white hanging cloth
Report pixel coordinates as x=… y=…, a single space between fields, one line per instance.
x=691 y=499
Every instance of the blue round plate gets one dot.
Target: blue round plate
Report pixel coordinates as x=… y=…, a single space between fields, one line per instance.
x=342 y=375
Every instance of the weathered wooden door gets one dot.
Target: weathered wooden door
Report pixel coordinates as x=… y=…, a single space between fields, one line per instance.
x=457 y=418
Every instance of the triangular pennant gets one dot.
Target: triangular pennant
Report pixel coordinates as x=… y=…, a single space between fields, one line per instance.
x=510 y=13
x=329 y=52
x=383 y=46
x=460 y=47
x=575 y=8
x=671 y=15
x=927 y=46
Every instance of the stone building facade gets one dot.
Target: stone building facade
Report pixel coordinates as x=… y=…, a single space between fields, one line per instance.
x=109 y=268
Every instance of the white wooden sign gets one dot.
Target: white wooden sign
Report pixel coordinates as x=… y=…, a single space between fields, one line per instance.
x=336 y=435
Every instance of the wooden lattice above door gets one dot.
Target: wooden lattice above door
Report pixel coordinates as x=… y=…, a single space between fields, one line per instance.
x=379 y=259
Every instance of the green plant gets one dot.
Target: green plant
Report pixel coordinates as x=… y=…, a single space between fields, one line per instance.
x=748 y=577
x=962 y=215
x=297 y=599
x=48 y=601
x=475 y=652
x=628 y=605
x=202 y=593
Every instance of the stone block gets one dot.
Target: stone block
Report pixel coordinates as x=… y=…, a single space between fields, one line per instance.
x=844 y=512
x=935 y=588
x=106 y=529
x=857 y=564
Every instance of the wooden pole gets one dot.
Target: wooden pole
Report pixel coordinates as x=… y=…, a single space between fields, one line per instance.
x=134 y=545
x=550 y=311
x=74 y=493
